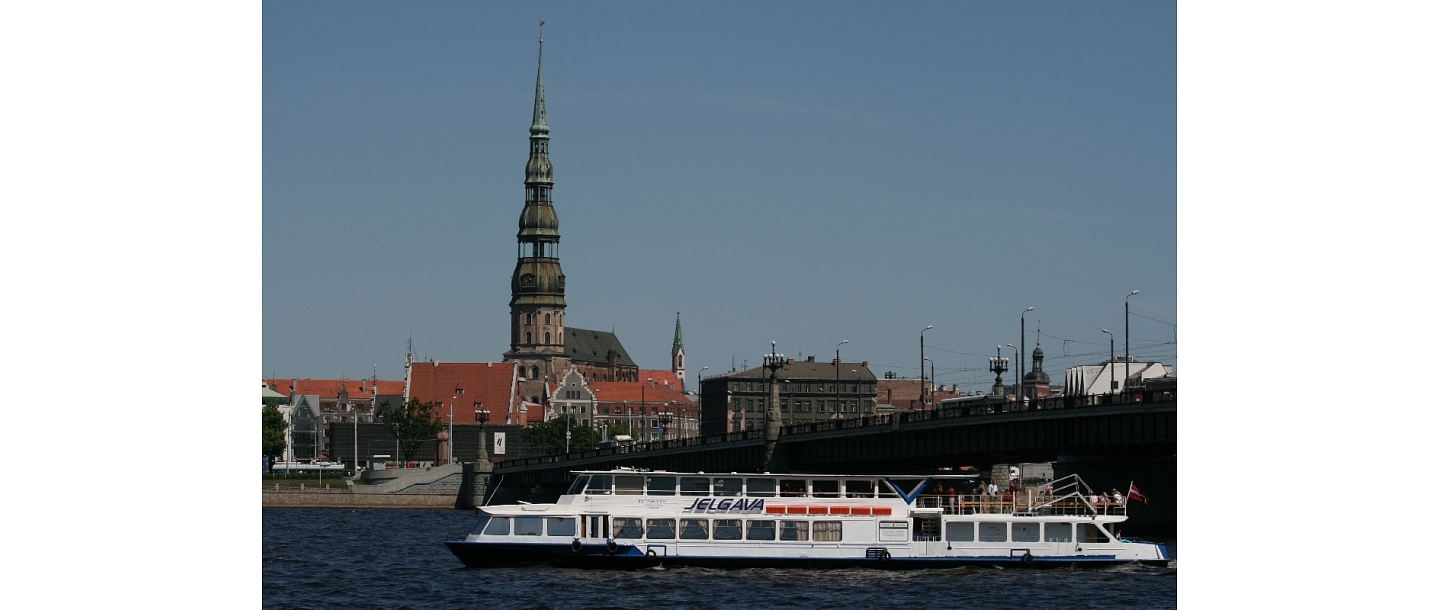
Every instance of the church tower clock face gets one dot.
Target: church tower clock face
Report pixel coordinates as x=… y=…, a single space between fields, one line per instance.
x=527 y=280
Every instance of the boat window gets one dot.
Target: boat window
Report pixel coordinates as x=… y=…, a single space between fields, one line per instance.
x=760 y=488
x=694 y=486
x=627 y=527
x=660 y=486
x=499 y=526
x=1025 y=532
x=528 y=526
x=480 y=527
x=1088 y=532
x=560 y=526
x=960 y=531
x=827 y=531
x=792 y=488
x=599 y=485
x=859 y=489
x=798 y=531
x=760 y=530
x=1057 y=532
x=727 y=529
x=694 y=529
x=578 y=486
x=660 y=529
x=727 y=486
x=826 y=488
x=629 y=484
x=992 y=532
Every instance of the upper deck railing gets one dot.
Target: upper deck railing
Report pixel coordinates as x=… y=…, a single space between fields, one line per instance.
x=1067 y=495
x=964 y=410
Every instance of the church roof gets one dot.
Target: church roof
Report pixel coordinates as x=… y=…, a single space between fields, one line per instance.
x=358 y=389
x=595 y=346
x=629 y=391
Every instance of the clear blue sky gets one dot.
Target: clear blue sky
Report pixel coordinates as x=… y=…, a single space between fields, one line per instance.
x=798 y=172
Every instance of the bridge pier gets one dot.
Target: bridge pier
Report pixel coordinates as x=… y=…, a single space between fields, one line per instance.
x=1153 y=474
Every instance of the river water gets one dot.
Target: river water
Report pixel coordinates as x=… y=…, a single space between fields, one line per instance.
x=343 y=558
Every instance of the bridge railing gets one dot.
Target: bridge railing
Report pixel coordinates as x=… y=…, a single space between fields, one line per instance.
x=1050 y=403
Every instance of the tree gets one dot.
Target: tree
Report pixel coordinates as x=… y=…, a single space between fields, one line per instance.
x=619 y=428
x=272 y=432
x=412 y=424
x=549 y=437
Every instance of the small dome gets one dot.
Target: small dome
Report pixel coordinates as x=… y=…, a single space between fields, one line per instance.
x=539 y=219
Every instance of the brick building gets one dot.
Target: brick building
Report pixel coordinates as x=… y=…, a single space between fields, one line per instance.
x=809 y=391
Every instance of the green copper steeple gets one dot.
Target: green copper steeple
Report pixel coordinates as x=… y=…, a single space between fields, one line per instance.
x=679 y=341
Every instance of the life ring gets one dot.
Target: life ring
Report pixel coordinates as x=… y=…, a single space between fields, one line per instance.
x=611 y=546
x=575 y=545
x=1027 y=559
x=650 y=554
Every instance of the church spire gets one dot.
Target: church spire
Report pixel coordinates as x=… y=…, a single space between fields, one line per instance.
x=537 y=123
x=677 y=354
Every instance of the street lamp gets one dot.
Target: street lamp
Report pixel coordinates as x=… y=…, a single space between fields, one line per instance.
x=1112 y=360
x=999 y=365
x=1017 y=371
x=922 y=364
x=482 y=416
x=1127 y=335
x=932 y=383
x=648 y=381
x=837 y=375
x=1020 y=366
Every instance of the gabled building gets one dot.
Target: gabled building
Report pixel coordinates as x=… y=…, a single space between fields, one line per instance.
x=339 y=399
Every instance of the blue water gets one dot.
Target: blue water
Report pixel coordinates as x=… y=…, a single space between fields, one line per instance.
x=342 y=558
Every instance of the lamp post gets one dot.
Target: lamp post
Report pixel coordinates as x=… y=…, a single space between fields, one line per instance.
x=1112 y=360
x=648 y=381
x=1127 y=337
x=999 y=365
x=1017 y=371
x=1020 y=366
x=932 y=383
x=482 y=416
x=837 y=375
x=922 y=364
x=450 y=436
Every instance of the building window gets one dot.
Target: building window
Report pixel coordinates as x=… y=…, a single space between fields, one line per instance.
x=547 y=338
x=547 y=320
x=534 y=372
x=527 y=337
x=784 y=405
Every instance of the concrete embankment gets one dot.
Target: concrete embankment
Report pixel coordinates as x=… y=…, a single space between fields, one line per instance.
x=347 y=499
x=449 y=486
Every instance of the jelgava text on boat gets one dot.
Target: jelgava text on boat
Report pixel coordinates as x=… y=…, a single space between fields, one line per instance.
x=633 y=518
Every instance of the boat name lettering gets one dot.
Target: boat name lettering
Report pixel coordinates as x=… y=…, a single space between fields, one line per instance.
x=708 y=504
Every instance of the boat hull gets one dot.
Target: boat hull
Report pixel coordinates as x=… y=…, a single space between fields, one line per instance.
x=629 y=557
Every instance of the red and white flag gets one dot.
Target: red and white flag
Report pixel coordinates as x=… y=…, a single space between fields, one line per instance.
x=1137 y=494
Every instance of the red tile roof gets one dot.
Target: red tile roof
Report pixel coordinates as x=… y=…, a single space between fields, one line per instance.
x=630 y=391
x=489 y=383
x=330 y=388
x=660 y=376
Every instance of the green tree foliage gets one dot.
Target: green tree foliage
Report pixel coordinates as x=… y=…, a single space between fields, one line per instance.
x=412 y=424
x=618 y=428
x=272 y=432
x=549 y=437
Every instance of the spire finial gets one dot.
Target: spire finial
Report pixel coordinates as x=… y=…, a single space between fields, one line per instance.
x=679 y=341
x=537 y=123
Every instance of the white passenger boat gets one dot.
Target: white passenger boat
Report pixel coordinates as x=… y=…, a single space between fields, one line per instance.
x=634 y=518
